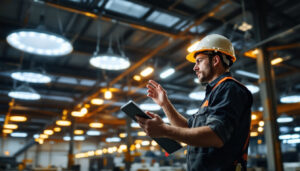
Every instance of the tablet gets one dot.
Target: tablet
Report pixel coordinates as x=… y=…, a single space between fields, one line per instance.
x=132 y=109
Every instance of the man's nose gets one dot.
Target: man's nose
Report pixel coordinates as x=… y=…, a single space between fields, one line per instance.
x=195 y=67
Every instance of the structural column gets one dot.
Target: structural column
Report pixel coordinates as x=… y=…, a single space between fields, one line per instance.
x=71 y=145
x=128 y=143
x=267 y=88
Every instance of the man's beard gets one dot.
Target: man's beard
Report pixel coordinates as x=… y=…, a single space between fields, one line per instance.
x=206 y=78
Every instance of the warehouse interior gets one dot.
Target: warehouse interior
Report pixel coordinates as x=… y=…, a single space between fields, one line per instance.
x=68 y=115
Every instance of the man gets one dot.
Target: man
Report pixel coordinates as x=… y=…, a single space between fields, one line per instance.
x=218 y=134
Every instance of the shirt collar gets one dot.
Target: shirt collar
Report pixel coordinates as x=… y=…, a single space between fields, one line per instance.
x=214 y=82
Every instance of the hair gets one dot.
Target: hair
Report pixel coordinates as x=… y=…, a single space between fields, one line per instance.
x=222 y=56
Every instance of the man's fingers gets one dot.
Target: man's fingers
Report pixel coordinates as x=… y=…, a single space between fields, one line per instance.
x=155 y=84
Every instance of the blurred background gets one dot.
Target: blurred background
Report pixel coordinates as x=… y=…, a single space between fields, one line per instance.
x=67 y=66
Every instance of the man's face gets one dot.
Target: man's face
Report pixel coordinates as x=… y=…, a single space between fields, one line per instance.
x=203 y=68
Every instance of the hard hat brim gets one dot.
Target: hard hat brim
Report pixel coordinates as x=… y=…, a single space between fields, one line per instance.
x=191 y=56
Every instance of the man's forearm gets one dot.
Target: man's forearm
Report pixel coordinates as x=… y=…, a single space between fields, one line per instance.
x=200 y=136
x=175 y=118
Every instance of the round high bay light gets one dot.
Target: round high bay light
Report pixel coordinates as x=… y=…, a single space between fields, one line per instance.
x=32 y=77
x=109 y=61
x=24 y=92
x=39 y=42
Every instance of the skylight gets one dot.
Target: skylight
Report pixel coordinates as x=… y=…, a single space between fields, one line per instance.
x=127 y=8
x=163 y=19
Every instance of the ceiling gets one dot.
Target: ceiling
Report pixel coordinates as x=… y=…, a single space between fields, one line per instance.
x=151 y=33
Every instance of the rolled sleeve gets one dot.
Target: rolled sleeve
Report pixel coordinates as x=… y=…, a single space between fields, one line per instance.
x=225 y=110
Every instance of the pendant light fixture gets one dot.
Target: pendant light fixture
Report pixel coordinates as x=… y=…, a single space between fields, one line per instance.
x=33 y=76
x=109 y=60
x=39 y=41
x=24 y=92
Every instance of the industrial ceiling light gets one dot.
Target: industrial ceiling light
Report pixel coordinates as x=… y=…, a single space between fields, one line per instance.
x=150 y=107
x=57 y=129
x=192 y=111
x=32 y=77
x=147 y=71
x=196 y=80
x=113 y=139
x=109 y=60
x=39 y=42
x=96 y=125
x=135 y=125
x=245 y=26
x=97 y=101
x=10 y=126
x=247 y=74
x=48 y=132
x=79 y=138
x=166 y=73
x=93 y=133
x=63 y=123
x=78 y=132
x=290 y=99
x=107 y=94
x=285 y=119
x=19 y=134
x=7 y=131
x=252 y=88
x=43 y=136
x=18 y=118
x=24 y=92
x=137 y=78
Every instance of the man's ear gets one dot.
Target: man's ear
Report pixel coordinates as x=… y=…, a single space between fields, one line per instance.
x=216 y=60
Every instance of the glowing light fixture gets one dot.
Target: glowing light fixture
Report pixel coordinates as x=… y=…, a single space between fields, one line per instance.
x=253 y=117
x=135 y=125
x=122 y=135
x=297 y=129
x=253 y=134
x=79 y=138
x=290 y=99
x=18 y=118
x=110 y=60
x=32 y=77
x=276 y=61
x=196 y=80
x=168 y=72
x=18 y=134
x=7 y=131
x=96 y=125
x=141 y=133
x=78 y=132
x=252 y=88
x=285 y=119
x=63 y=123
x=137 y=78
x=247 y=74
x=43 y=136
x=113 y=139
x=77 y=114
x=147 y=71
x=245 y=26
x=260 y=129
x=48 y=132
x=108 y=94
x=93 y=133
x=10 y=126
x=261 y=123
x=39 y=42
x=57 y=129
x=150 y=106
x=197 y=95
x=251 y=53
x=24 y=92
x=97 y=101
x=191 y=111
x=145 y=143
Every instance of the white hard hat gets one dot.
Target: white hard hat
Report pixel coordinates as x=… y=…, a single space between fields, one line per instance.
x=213 y=42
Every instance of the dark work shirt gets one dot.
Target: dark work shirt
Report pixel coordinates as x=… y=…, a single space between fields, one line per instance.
x=228 y=114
